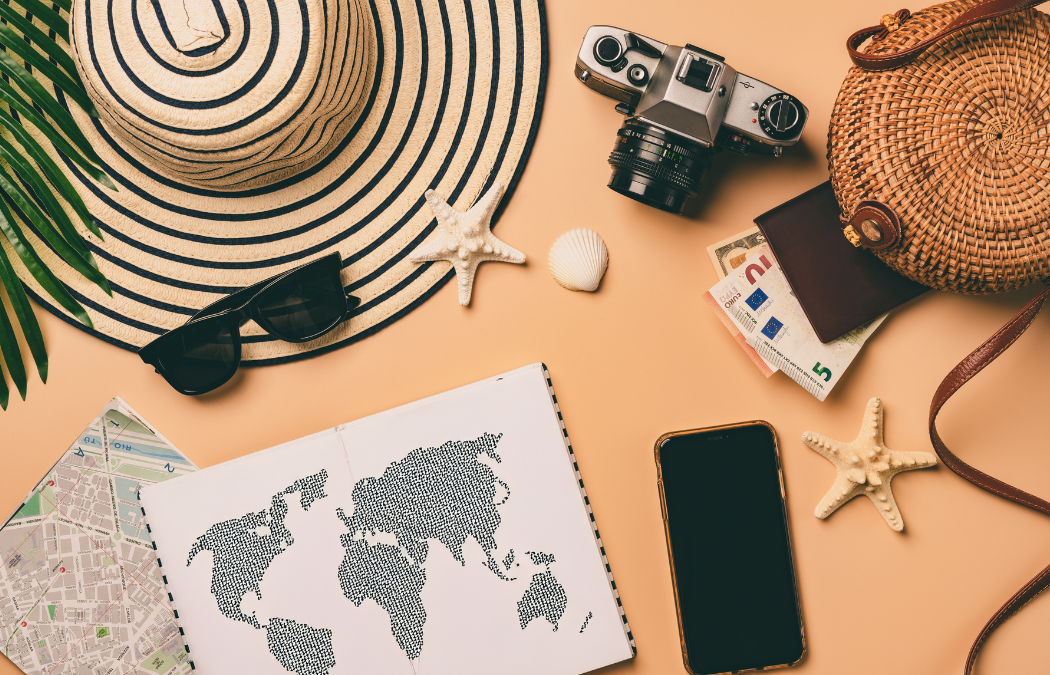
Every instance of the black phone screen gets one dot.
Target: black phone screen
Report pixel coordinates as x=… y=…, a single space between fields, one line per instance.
x=731 y=552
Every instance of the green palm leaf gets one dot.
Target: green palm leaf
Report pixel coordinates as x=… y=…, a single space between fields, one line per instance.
x=13 y=357
x=30 y=211
x=55 y=176
x=24 y=313
x=86 y=158
x=4 y=394
x=25 y=170
x=34 y=191
x=32 y=88
x=40 y=39
x=48 y=16
x=32 y=57
x=45 y=277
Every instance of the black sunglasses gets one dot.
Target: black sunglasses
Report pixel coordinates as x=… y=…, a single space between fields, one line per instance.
x=296 y=306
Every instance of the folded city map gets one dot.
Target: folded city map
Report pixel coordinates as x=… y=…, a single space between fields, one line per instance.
x=80 y=588
x=449 y=536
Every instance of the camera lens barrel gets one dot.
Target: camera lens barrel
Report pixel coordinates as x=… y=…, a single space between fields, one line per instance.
x=656 y=167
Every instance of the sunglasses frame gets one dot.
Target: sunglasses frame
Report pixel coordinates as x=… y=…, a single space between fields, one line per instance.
x=236 y=309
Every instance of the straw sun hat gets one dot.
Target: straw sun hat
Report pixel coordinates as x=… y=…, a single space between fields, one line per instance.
x=247 y=137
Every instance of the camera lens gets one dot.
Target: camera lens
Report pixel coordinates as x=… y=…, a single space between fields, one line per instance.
x=656 y=167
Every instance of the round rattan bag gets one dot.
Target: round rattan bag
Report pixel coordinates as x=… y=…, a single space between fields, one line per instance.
x=939 y=147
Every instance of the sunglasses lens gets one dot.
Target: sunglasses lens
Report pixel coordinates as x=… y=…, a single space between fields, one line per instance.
x=199 y=356
x=303 y=306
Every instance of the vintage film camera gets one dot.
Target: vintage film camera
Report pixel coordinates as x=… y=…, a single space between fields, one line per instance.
x=681 y=103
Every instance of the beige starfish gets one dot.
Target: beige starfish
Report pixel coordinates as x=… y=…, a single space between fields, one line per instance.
x=465 y=239
x=866 y=466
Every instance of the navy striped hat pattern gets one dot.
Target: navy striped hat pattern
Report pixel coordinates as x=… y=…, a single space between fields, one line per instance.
x=247 y=137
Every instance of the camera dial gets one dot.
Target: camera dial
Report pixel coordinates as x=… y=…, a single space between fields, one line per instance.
x=780 y=116
x=608 y=50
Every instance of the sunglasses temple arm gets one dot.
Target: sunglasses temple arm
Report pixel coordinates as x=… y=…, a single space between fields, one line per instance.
x=351 y=300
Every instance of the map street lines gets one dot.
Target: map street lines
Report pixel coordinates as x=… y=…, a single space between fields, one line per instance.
x=80 y=586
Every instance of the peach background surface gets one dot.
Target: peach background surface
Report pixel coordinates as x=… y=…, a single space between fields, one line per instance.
x=644 y=356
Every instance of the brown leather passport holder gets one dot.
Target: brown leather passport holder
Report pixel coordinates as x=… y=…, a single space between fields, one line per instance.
x=839 y=286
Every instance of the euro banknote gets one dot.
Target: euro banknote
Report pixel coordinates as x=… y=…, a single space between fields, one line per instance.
x=757 y=301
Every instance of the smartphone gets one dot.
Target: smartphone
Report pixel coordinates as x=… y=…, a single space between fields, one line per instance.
x=723 y=498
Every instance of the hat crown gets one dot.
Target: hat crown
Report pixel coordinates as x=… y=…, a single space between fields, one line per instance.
x=225 y=94
x=194 y=25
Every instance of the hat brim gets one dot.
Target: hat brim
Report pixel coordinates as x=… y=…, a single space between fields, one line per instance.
x=454 y=105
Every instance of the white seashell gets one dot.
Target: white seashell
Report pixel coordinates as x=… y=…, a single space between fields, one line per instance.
x=578 y=260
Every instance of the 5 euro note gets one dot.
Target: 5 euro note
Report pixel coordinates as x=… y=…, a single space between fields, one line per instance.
x=756 y=300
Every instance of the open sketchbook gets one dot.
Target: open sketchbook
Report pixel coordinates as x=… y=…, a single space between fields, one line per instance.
x=448 y=536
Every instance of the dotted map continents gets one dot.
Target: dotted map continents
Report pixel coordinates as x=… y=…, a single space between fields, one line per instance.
x=442 y=495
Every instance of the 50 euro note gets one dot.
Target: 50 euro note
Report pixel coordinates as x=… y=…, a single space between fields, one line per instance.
x=757 y=301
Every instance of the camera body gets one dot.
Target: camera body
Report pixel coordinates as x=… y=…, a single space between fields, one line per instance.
x=681 y=103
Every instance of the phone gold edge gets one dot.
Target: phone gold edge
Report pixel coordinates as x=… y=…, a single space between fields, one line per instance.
x=670 y=553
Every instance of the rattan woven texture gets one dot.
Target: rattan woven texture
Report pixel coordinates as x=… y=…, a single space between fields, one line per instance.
x=957 y=143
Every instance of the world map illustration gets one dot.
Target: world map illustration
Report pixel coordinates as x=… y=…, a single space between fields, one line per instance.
x=441 y=495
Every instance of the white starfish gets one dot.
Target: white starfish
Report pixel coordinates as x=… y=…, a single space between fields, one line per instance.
x=866 y=466
x=465 y=239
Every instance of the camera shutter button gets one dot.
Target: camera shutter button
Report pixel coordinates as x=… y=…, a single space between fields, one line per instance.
x=638 y=75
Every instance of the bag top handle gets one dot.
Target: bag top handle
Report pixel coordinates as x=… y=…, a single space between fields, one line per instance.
x=989 y=9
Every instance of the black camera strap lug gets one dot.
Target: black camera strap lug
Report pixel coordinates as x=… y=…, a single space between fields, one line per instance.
x=624 y=109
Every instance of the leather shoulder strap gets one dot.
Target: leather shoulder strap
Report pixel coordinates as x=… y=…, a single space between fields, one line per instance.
x=960 y=375
x=989 y=9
